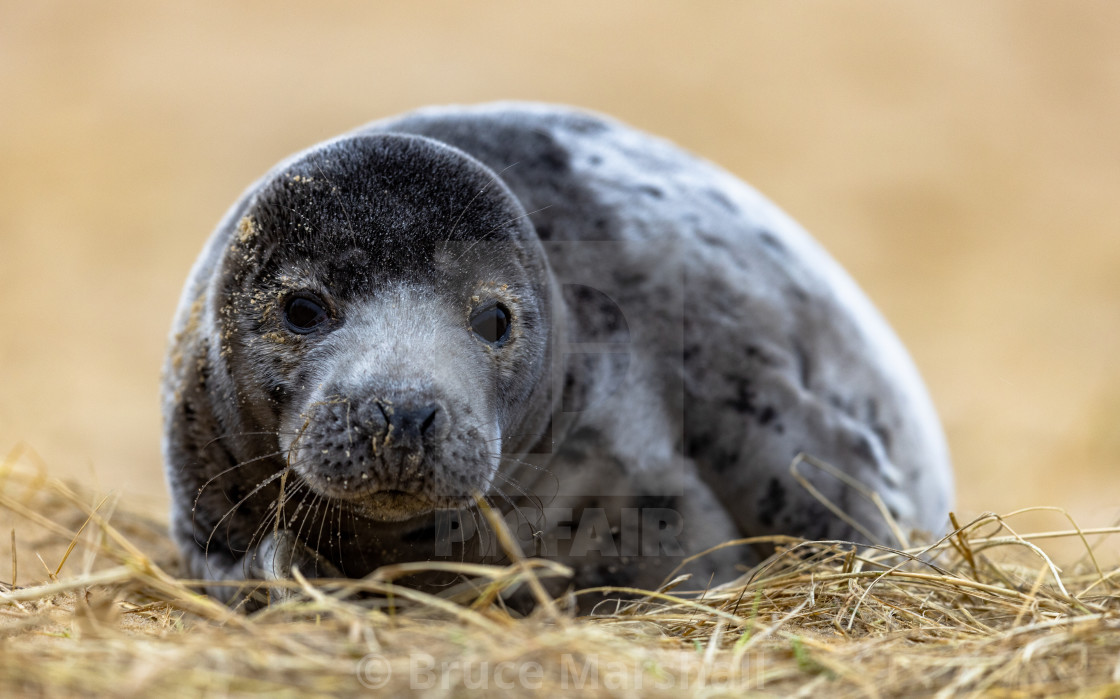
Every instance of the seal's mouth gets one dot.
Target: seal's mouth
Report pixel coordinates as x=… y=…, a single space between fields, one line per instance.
x=393 y=505
x=379 y=504
x=387 y=505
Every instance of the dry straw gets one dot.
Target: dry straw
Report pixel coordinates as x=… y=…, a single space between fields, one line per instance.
x=91 y=605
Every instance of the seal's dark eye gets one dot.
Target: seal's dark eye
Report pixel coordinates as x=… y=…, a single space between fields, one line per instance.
x=491 y=324
x=304 y=315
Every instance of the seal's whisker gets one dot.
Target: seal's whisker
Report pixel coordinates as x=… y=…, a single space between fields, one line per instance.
x=506 y=458
x=522 y=492
x=493 y=180
x=306 y=511
x=225 y=518
x=463 y=543
x=327 y=504
x=361 y=549
x=293 y=448
x=510 y=435
x=501 y=556
x=496 y=229
x=218 y=475
x=341 y=203
x=481 y=529
x=277 y=508
x=260 y=486
x=313 y=513
x=273 y=513
x=229 y=435
x=204 y=486
x=338 y=531
x=545 y=470
x=519 y=513
x=271 y=518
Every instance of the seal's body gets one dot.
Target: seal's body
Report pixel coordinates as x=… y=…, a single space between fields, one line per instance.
x=618 y=343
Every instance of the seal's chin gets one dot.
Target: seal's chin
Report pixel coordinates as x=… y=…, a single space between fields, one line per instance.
x=392 y=505
x=380 y=505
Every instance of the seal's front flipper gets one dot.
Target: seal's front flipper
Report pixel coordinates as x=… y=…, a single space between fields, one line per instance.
x=271 y=560
x=280 y=552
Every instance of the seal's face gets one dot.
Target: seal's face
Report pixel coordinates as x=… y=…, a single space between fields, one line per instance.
x=385 y=314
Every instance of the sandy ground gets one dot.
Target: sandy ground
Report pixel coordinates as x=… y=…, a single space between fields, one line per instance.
x=961 y=159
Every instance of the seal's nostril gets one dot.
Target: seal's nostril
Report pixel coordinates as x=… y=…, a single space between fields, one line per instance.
x=430 y=419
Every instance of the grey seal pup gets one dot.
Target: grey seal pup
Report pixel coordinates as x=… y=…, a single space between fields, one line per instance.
x=623 y=349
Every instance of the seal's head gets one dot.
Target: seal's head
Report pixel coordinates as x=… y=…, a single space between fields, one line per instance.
x=384 y=308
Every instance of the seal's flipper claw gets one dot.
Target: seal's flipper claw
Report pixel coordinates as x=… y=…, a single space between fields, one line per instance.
x=279 y=552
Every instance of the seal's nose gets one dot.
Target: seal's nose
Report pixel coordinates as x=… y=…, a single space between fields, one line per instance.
x=410 y=423
x=411 y=429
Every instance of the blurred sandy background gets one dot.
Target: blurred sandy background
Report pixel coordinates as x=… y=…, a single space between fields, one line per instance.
x=961 y=159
